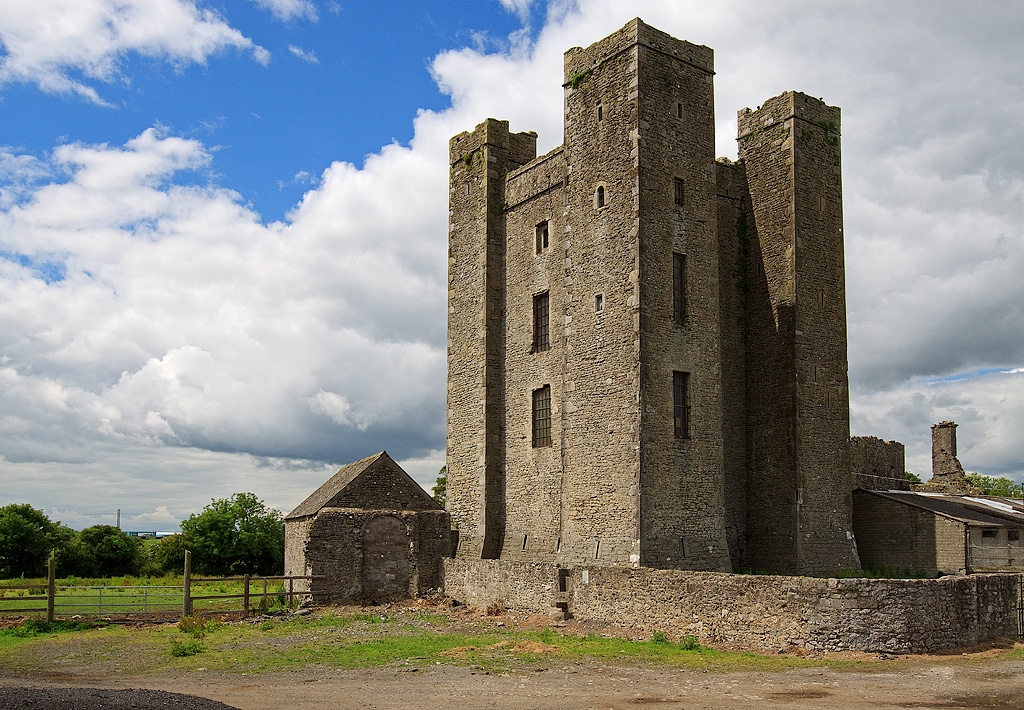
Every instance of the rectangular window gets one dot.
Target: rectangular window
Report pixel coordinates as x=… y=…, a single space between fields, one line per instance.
x=1013 y=535
x=542 y=237
x=540 y=322
x=677 y=191
x=678 y=287
x=542 y=417
x=681 y=404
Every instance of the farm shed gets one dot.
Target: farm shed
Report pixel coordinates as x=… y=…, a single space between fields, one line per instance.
x=936 y=534
x=372 y=531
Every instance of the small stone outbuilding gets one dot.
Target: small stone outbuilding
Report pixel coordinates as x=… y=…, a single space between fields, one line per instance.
x=936 y=534
x=373 y=533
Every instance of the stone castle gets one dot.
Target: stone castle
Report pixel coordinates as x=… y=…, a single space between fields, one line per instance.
x=646 y=346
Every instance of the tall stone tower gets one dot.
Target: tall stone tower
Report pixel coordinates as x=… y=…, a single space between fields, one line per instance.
x=604 y=389
x=798 y=415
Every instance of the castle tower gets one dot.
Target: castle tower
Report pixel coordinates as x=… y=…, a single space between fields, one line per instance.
x=480 y=162
x=799 y=500
x=946 y=468
x=646 y=349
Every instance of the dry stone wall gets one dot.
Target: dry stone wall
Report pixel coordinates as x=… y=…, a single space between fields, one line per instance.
x=878 y=465
x=767 y=613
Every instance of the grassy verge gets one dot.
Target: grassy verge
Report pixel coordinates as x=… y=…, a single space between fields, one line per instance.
x=354 y=639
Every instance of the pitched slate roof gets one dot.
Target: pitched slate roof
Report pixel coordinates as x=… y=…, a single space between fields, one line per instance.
x=962 y=508
x=373 y=483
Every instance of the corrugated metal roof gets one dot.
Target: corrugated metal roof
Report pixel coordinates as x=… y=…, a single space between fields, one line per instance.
x=963 y=508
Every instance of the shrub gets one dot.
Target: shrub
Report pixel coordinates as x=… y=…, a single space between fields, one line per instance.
x=181 y=649
x=689 y=642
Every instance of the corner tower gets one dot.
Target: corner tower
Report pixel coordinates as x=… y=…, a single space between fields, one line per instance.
x=799 y=499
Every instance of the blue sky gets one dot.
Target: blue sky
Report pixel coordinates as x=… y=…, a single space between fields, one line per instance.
x=223 y=224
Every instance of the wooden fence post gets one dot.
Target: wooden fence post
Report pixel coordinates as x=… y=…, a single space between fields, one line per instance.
x=51 y=587
x=245 y=597
x=186 y=586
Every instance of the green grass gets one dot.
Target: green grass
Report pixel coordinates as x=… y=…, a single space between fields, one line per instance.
x=349 y=639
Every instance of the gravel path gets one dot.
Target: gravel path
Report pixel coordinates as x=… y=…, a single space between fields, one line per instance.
x=31 y=698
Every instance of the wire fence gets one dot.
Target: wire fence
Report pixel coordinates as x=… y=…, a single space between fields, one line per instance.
x=194 y=595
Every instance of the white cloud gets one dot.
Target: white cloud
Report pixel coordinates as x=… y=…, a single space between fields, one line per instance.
x=182 y=343
x=302 y=54
x=521 y=8
x=289 y=9
x=60 y=44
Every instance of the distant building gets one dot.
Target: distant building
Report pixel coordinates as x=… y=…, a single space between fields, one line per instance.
x=934 y=533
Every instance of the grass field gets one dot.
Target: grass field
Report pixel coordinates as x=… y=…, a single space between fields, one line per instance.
x=356 y=639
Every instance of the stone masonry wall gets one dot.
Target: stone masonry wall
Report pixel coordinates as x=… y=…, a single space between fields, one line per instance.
x=682 y=512
x=767 y=613
x=905 y=539
x=480 y=162
x=878 y=465
x=798 y=482
x=332 y=543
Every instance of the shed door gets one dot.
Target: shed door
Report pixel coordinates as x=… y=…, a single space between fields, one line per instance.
x=385 y=558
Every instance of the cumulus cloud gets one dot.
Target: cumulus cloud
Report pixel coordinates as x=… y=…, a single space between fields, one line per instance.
x=90 y=38
x=153 y=328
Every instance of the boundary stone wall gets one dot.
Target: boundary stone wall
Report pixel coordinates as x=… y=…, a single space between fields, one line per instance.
x=769 y=612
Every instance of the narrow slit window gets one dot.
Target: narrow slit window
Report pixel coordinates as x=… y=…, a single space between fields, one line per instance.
x=541 y=311
x=542 y=417
x=542 y=237
x=600 y=112
x=679 y=110
x=681 y=404
x=678 y=287
x=678 y=191
x=598 y=302
x=600 y=196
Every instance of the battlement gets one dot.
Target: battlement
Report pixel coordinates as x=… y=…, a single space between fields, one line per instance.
x=579 y=61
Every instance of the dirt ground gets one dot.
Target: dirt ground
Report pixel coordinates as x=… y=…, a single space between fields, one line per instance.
x=981 y=678
x=968 y=682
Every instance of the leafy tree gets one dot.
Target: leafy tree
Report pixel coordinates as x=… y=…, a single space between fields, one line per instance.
x=440 y=489
x=110 y=552
x=995 y=486
x=168 y=555
x=26 y=537
x=236 y=535
x=913 y=477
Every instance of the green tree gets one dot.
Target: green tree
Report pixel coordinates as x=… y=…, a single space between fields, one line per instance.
x=26 y=538
x=110 y=552
x=168 y=555
x=440 y=489
x=995 y=486
x=236 y=535
x=913 y=477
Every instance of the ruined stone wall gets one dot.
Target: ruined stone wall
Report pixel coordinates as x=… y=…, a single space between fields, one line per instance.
x=878 y=465
x=798 y=487
x=767 y=613
x=907 y=540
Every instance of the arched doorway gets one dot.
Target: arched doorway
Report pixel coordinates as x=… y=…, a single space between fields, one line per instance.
x=385 y=557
